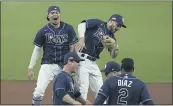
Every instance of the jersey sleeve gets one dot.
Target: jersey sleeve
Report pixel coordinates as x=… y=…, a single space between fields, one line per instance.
x=39 y=39
x=72 y=35
x=90 y=23
x=60 y=85
x=145 y=96
x=103 y=94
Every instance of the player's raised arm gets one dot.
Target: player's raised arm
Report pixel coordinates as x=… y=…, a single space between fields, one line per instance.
x=145 y=97
x=102 y=95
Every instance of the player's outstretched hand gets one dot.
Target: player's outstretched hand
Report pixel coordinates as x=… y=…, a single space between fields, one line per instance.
x=30 y=74
x=80 y=45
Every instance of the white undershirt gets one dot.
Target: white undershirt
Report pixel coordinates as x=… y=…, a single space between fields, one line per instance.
x=81 y=29
x=34 y=56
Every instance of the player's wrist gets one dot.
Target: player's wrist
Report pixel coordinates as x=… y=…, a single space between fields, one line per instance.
x=30 y=69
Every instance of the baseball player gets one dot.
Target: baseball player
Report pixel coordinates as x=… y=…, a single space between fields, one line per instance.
x=64 y=92
x=94 y=36
x=124 y=89
x=112 y=69
x=57 y=38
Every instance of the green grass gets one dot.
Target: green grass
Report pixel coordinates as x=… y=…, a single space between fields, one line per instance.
x=147 y=39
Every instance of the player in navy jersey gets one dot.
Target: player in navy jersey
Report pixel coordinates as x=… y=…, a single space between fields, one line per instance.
x=124 y=89
x=64 y=91
x=111 y=69
x=56 y=38
x=90 y=46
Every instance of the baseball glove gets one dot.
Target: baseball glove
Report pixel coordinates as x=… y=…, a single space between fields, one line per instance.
x=109 y=42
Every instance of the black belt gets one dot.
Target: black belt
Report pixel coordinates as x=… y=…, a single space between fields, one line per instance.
x=89 y=57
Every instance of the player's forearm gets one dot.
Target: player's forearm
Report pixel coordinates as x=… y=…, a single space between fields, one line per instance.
x=99 y=100
x=34 y=56
x=81 y=100
x=68 y=99
x=72 y=47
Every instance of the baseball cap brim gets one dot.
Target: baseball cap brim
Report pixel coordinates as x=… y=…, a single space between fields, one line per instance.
x=123 y=26
x=78 y=60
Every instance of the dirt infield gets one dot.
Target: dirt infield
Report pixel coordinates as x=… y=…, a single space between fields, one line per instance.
x=20 y=92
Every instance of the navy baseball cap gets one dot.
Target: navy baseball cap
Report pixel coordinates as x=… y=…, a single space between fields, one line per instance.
x=111 y=67
x=119 y=19
x=127 y=64
x=72 y=56
x=51 y=8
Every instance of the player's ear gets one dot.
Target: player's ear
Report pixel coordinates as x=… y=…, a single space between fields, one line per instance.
x=48 y=18
x=133 y=69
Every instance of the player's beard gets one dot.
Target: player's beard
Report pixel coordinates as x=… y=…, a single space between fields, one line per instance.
x=112 y=29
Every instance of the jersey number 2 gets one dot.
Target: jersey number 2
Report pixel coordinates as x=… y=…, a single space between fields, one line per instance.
x=123 y=94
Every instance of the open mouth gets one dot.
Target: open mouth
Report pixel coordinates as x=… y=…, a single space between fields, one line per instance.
x=55 y=19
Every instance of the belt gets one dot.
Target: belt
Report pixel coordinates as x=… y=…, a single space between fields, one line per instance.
x=53 y=62
x=89 y=57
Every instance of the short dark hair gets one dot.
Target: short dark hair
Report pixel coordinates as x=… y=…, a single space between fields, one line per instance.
x=127 y=64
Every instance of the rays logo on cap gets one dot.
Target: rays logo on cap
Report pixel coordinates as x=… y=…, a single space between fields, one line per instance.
x=113 y=18
x=71 y=58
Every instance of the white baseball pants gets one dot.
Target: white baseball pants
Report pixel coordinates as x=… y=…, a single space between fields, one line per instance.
x=46 y=75
x=88 y=74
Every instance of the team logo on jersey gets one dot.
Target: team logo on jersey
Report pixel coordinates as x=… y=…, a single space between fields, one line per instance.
x=56 y=39
x=99 y=33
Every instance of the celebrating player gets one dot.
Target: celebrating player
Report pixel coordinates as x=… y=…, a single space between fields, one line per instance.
x=57 y=38
x=124 y=89
x=94 y=36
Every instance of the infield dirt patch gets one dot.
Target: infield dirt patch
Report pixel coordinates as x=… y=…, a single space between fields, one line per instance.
x=20 y=92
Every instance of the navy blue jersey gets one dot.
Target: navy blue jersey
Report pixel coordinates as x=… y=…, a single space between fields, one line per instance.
x=55 y=42
x=63 y=83
x=123 y=90
x=95 y=29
